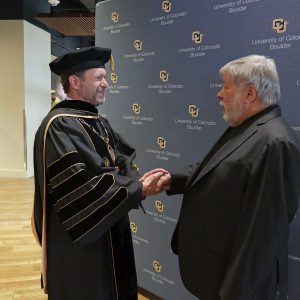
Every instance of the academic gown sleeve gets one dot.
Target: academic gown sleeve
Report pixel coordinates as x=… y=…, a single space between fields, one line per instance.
x=271 y=200
x=88 y=197
x=125 y=156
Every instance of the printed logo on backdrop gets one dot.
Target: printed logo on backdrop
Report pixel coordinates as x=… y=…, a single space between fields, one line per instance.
x=193 y=110
x=136 y=108
x=197 y=37
x=164 y=76
x=195 y=49
x=133 y=227
x=159 y=215
x=282 y=40
x=166 y=6
x=279 y=25
x=136 y=238
x=136 y=118
x=159 y=205
x=115 y=27
x=161 y=142
x=156 y=273
x=137 y=44
x=114 y=77
x=162 y=153
x=116 y=88
x=168 y=16
x=237 y=6
x=165 y=87
x=192 y=123
x=157 y=266
x=114 y=17
x=138 y=55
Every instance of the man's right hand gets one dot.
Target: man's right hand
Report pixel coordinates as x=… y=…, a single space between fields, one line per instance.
x=155 y=181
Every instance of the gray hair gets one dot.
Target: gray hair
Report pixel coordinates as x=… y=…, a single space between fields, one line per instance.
x=258 y=70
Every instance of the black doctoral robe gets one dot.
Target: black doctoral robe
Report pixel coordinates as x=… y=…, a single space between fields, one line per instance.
x=232 y=233
x=82 y=199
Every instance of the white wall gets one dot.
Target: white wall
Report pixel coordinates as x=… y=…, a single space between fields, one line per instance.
x=12 y=99
x=37 y=54
x=25 y=90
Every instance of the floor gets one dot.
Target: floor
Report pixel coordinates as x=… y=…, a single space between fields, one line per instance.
x=19 y=252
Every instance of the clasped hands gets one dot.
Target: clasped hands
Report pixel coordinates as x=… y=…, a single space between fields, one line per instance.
x=155 y=181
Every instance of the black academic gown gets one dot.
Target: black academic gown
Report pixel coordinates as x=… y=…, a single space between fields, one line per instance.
x=86 y=238
x=233 y=229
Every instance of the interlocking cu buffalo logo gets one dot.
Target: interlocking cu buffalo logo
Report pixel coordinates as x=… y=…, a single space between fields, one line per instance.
x=197 y=37
x=166 y=6
x=137 y=44
x=114 y=17
x=136 y=108
x=193 y=110
x=157 y=266
x=161 y=142
x=279 y=25
x=133 y=227
x=164 y=76
x=159 y=205
x=114 y=77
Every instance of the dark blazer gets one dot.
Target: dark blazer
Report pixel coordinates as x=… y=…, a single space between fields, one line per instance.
x=232 y=233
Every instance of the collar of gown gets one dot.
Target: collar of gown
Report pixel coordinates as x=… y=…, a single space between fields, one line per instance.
x=77 y=104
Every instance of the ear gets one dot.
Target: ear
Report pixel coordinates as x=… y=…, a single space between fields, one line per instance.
x=251 y=93
x=74 y=82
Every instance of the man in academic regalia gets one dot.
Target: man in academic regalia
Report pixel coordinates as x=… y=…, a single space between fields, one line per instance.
x=232 y=234
x=85 y=185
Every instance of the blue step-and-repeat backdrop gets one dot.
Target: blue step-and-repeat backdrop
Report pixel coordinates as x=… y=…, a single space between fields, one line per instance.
x=162 y=98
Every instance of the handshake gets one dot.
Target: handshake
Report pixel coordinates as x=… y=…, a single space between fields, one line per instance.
x=155 y=181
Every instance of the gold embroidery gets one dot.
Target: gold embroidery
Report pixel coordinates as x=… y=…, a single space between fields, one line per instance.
x=106 y=161
x=105 y=139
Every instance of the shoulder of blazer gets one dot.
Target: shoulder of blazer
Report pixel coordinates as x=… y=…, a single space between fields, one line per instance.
x=271 y=112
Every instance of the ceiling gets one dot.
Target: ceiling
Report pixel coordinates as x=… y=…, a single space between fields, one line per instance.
x=71 y=17
x=71 y=23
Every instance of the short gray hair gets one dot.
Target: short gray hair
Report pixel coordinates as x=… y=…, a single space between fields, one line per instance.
x=258 y=70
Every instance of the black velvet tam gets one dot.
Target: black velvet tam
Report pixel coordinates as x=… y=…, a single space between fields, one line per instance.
x=80 y=60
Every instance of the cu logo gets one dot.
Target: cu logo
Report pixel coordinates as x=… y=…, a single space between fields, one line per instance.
x=133 y=227
x=197 y=37
x=136 y=108
x=161 y=142
x=166 y=6
x=193 y=110
x=114 y=77
x=156 y=265
x=279 y=25
x=114 y=17
x=159 y=206
x=137 y=44
x=164 y=75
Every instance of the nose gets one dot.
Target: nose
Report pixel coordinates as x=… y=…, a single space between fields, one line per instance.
x=220 y=94
x=104 y=83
